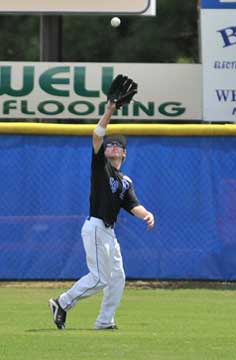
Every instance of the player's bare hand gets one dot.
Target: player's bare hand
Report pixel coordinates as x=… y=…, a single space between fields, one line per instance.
x=149 y=218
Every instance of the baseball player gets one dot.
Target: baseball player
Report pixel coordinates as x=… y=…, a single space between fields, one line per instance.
x=110 y=191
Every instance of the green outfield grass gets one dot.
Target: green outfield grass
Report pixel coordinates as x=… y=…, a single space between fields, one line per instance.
x=153 y=324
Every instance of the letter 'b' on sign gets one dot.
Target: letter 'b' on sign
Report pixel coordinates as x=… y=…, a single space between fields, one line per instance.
x=138 y=7
x=228 y=35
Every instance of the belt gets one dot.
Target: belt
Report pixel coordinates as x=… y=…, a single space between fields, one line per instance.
x=99 y=221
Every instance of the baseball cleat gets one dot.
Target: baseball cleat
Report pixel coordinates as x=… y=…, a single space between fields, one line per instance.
x=111 y=327
x=59 y=315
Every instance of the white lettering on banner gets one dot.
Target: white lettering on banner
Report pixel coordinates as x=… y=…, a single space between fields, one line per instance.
x=79 y=90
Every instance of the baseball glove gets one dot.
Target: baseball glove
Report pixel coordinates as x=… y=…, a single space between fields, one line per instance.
x=122 y=90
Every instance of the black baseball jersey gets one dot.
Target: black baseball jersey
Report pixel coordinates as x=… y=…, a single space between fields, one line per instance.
x=110 y=190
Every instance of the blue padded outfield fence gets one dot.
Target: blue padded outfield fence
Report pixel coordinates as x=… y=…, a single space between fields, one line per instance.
x=188 y=182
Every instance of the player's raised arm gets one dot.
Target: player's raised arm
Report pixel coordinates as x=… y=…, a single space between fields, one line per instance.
x=121 y=92
x=100 y=129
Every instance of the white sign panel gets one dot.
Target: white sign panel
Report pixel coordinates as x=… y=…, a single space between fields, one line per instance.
x=138 y=7
x=79 y=90
x=219 y=60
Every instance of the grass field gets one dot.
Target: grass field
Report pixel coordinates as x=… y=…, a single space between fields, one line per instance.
x=153 y=324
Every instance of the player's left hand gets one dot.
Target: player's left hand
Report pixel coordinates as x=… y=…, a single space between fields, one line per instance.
x=122 y=90
x=149 y=218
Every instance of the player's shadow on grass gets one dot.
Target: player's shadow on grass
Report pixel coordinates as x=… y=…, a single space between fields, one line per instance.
x=57 y=330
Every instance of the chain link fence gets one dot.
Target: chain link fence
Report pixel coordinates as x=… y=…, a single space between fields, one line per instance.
x=189 y=183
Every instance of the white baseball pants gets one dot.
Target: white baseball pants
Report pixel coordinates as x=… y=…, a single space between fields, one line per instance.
x=106 y=272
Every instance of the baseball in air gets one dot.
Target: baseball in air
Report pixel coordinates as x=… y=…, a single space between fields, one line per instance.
x=115 y=22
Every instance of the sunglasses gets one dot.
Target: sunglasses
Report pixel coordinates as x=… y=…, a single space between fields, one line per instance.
x=114 y=143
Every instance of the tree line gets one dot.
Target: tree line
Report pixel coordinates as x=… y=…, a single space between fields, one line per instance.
x=170 y=37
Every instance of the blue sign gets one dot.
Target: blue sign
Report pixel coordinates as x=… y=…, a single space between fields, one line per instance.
x=219 y=4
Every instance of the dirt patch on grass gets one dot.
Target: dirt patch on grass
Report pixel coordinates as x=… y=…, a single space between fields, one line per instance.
x=134 y=284
x=36 y=284
x=182 y=284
